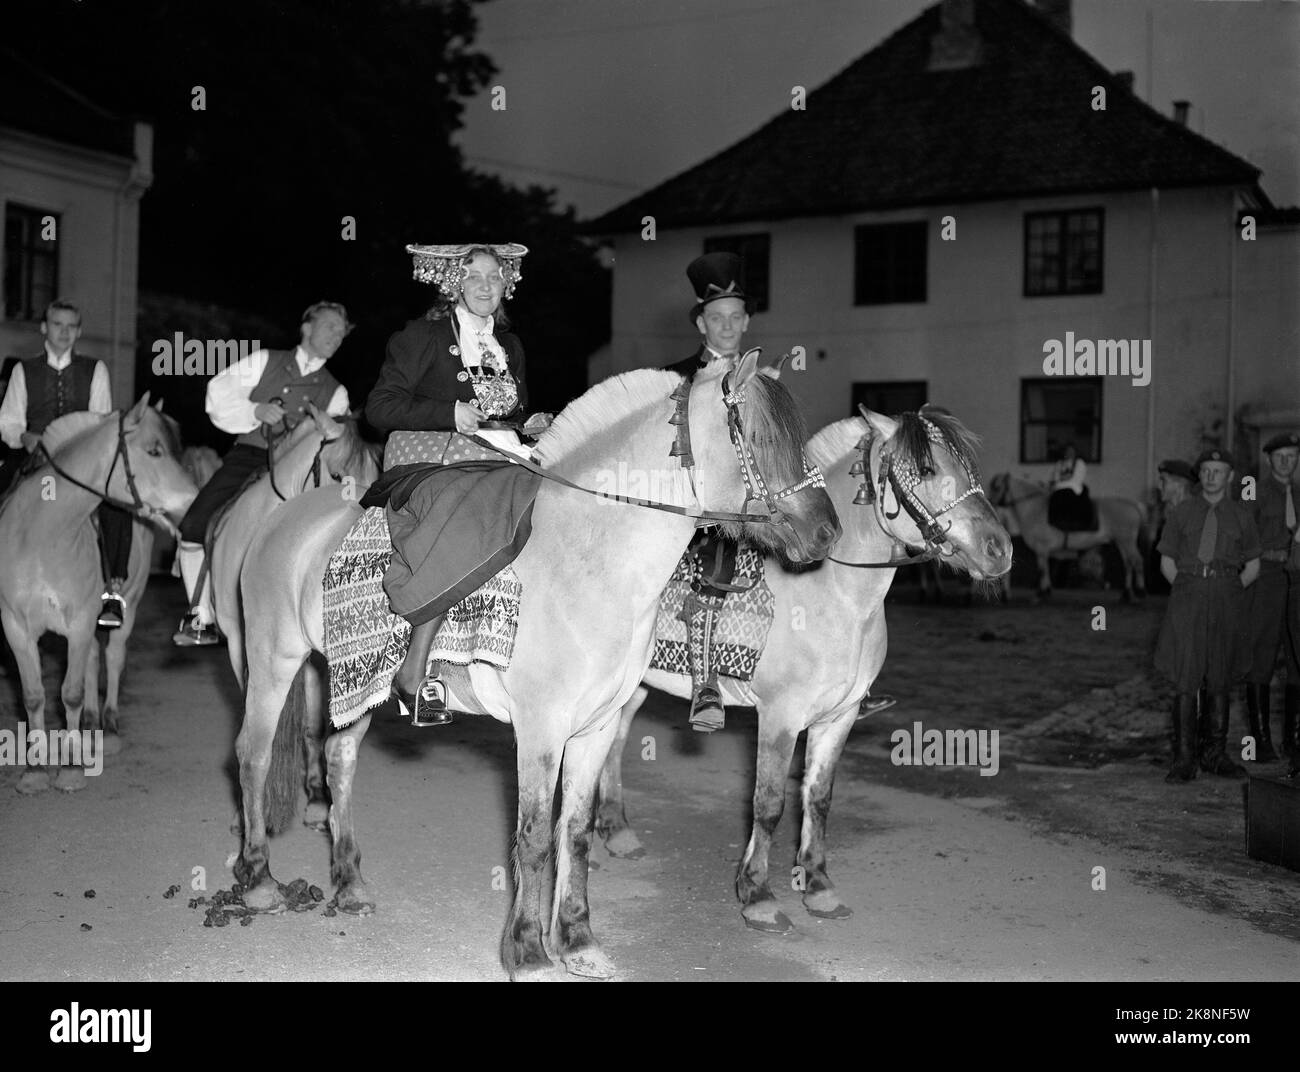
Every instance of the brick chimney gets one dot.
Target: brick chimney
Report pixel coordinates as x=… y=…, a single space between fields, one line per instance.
x=957 y=44
x=1181 y=108
x=1057 y=12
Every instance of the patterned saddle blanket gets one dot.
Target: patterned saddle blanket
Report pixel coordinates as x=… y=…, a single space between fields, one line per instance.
x=740 y=627
x=366 y=643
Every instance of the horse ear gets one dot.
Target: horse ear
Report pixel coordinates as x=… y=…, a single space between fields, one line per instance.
x=746 y=367
x=885 y=427
x=137 y=411
x=323 y=421
x=774 y=371
x=159 y=404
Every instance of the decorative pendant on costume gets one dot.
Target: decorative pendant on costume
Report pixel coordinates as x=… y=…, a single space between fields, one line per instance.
x=495 y=388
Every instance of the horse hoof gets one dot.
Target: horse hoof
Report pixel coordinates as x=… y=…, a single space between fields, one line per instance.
x=34 y=782
x=112 y=743
x=355 y=901
x=317 y=816
x=265 y=898
x=826 y=905
x=535 y=973
x=767 y=918
x=625 y=845
x=589 y=963
x=70 y=779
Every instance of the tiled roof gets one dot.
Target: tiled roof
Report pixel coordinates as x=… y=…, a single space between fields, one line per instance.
x=34 y=101
x=887 y=132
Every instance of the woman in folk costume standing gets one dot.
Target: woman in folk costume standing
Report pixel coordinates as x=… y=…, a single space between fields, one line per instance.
x=454 y=373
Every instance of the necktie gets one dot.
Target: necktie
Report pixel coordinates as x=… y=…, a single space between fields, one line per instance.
x=1209 y=536
x=1290 y=509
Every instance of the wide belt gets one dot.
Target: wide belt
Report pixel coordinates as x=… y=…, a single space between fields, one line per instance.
x=1211 y=569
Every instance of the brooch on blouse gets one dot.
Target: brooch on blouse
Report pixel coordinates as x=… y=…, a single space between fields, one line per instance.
x=455 y=351
x=462 y=375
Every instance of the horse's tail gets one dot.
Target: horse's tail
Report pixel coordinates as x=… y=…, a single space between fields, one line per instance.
x=285 y=778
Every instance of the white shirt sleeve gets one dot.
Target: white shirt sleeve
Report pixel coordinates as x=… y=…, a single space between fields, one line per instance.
x=1078 y=476
x=101 y=390
x=339 y=404
x=228 y=404
x=13 y=410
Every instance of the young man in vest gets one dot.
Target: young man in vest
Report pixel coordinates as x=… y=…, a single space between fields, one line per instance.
x=1209 y=552
x=259 y=398
x=1272 y=607
x=46 y=387
x=721 y=315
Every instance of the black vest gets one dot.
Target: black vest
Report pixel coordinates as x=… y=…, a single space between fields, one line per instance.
x=281 y=379
x=51 y=393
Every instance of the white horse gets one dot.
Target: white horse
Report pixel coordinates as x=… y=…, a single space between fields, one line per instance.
x=1120 y=522
x=591 y=575
x=819 y=664
x=50 y=575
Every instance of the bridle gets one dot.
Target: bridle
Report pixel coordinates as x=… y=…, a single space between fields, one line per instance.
x=901 y=473
x=314 y=475
x=137 y=506
x=756 y=489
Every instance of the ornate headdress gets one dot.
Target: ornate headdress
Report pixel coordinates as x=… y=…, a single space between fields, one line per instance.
x=444 y=266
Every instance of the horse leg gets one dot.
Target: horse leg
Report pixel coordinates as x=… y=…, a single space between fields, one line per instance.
x=90 y=712
x=611 y=818
x=71 y=778
x=825 y=743
x=1044 y=575
x=351 y=894
x=523 y=949
x=759 y=906
x=115 y=661
x=270 y=679
x=313 y=732
x=35 y=777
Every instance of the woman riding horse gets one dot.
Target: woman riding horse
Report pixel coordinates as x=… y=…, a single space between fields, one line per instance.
x=454 y=373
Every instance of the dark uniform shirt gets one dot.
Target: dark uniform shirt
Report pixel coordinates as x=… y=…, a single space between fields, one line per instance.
x=1236 y=544
x=1270 y=513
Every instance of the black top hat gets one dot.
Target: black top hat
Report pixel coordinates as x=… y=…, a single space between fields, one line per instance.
x=714 y=276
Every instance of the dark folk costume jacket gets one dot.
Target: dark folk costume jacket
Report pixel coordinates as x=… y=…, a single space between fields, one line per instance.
x=420 y=382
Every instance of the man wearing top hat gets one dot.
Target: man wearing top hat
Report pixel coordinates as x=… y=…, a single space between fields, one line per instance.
x=1209 y=553
x=721 y=315
x=1272 y=606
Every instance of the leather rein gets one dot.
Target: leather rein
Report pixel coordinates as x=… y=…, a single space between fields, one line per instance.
x=756 y=488
x=902 y=475
x=137 y=506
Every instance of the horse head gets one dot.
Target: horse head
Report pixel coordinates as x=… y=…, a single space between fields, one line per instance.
x=343 y=452
x=146 y=468
x=748 y=436
x=919 y=477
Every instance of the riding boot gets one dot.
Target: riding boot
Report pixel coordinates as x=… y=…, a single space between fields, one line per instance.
x=1214 y=751
x=1290 y=716
x=707 y=712
x=1257 y=719
x=1183 y=766
x=426 y=703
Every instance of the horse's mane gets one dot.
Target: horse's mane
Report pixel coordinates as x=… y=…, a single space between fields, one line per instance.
x=601 y=407
x=350 y=454
x=834 y=441
x=63 y=430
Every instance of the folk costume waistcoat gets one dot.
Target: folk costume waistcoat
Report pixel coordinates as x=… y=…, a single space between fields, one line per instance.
x=282 y=379
x=53 y=392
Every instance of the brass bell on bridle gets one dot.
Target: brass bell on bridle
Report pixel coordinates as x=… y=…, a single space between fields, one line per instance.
x=864 y=496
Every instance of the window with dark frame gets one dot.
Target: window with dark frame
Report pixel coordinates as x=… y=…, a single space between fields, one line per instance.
x=1063 y=252
x=889 y=262
x=31 y=271
x=889 y=396
x=1057 y=412
x=756 y=252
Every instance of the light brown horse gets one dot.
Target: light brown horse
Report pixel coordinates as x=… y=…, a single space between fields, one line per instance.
x=1121 y=522
x=828 y=638
x=591 y=576
x=50 y=575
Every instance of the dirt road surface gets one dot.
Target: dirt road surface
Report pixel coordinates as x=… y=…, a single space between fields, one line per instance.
x=952 y=876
